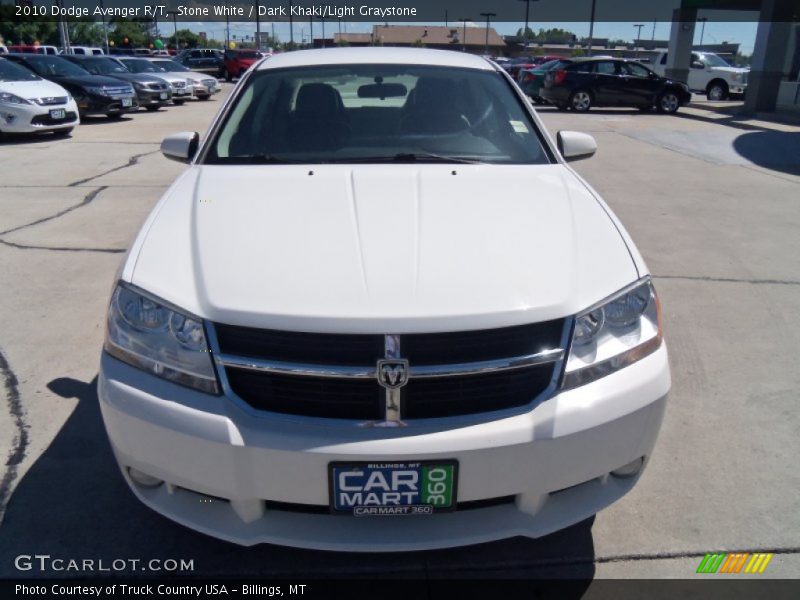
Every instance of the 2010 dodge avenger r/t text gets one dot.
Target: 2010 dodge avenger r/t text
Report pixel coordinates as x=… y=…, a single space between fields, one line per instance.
x=379 y=290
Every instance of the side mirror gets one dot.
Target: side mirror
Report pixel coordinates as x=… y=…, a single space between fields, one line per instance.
x=181 y=146
x=574 y=145
x=696 y=64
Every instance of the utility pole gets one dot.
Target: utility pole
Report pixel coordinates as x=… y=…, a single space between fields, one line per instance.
x=702 y=29
x=174 y=14
x=654 y=30
x=638 y=36
x=323 y=32
x=464 y=41
x=311 y=32
x=105 y=29
x=591 y=29
x=227 y=28
x=258 y=25
x=291 y=25
x=488 y=16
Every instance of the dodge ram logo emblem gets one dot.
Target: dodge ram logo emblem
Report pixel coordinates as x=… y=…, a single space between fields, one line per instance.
x=393 y=373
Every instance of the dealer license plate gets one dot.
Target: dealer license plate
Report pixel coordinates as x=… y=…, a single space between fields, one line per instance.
x=393 y=489
x=163 y=95
x=127 y=102
x=58 y=113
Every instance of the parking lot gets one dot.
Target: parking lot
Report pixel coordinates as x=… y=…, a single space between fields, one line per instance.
x=713 y=203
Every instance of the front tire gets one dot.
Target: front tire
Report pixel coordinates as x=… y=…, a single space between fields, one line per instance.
x=63 y=132
x=717 y=91
x=115 y=116
x=228 y=76
x=562 y=107
x=668 y=103
x=152 y=108
x=581 y=100
x=178 y=102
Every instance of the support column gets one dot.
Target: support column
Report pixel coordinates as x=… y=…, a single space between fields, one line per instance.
x=769 y=57
x=681 y=39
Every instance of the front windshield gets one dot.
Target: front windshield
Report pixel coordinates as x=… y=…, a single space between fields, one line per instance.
x=13 y=72
x=139 y=65
x=377 y=113
x=102 y=66
x=715 y=61
x=55 y=66
x=170 y=65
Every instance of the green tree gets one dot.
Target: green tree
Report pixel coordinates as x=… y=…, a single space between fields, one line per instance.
x=86 y=33
x=185 y=39
x=131 y=30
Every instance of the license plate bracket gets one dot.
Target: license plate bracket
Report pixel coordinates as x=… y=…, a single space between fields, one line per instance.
x=58 y=113
x=393 y=489
x=127 y=102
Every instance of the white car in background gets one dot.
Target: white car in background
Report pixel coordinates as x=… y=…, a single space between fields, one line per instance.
x=3 y=49
x=30 y=104
x=86 y=51
x=182 y=87
x=204 y=85
x=380 y=290
x=709 y=74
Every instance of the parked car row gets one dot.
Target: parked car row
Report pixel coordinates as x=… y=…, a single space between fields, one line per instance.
x=229 y=65
x=41 y=92
x=582 y=83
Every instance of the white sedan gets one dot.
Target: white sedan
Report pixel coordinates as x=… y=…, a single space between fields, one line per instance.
x=204 y=85
x=380 y=290
x=30 y=104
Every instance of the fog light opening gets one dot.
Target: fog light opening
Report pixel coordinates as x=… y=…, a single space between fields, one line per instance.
x=143 y=479
x=630 y=470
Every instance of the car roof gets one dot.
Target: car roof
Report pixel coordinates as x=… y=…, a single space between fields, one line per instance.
x=373 y=55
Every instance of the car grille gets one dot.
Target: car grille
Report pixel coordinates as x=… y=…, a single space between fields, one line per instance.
x=52 y=101
x=118 y=91
x=46 y=120
x=179 y=84
x=302 y=373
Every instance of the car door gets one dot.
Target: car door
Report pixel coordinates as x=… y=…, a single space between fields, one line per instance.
x=639 y=84
x=697 y=73
x=606 y=83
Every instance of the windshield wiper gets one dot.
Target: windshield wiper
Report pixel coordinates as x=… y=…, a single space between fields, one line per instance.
x=257 y=159
x=410 y=157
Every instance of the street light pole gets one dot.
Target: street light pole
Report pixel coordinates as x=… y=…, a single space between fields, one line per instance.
x=702 y=29
x=105 y=28
x=464 y=41
x=291 y=26
x=174 y=14
x=591 y=29
x=638 y=36
x=488 y=16
x=258 y=25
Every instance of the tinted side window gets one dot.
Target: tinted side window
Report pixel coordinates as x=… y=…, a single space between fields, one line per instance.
x=664 y=59
x=606 y=67
x=636 y=70
x=581 y=67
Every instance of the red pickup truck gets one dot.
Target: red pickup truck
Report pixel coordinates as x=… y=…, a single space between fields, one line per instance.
x=238 y=61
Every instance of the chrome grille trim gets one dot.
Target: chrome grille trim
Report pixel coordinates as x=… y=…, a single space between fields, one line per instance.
x=370 y=372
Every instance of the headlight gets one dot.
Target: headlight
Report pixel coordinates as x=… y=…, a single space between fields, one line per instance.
x=100 y=91
x=142 y=331
x=7 y=98
x=737 y=77
x=139 y=86
x=614 y=334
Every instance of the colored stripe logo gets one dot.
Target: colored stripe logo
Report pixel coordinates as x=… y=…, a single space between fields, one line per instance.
x=737 y=562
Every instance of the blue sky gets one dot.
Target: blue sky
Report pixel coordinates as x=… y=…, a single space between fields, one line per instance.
x=715 y=32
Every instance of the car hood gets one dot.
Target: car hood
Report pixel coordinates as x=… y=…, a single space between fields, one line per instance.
x=137 y=77
x=400 y=248
x=33 y=89
x=729 y=70
x=195 y=76
x=89 y=80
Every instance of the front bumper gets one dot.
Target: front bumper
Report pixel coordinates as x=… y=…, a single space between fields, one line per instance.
x=244 y=479
x=153 y=97
x=29 y=118
x=204 y=91
x=94 y=104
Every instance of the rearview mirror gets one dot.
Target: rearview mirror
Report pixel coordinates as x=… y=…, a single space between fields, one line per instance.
x=382 y=90
x=574 y=145
x=181 y=146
